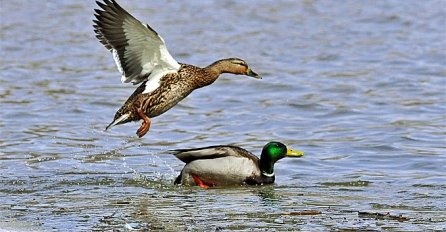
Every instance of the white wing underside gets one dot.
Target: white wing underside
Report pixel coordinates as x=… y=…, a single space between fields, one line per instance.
x=154 y=80
x=139 y=52
x=149 y=51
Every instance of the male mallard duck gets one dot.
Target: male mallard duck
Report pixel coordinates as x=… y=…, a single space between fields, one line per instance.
x=230 y=165
x=142 y=57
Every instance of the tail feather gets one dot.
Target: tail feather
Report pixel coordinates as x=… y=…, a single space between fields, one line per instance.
x=178 y=179
x=122 y=119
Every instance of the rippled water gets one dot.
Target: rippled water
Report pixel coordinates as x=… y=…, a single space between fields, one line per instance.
x=358 y=85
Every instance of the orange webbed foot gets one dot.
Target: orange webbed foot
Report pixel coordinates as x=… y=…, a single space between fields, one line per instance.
x=200 y=182
x=145 y=126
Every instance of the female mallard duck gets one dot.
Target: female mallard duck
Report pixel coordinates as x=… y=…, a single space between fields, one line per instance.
x=230 y=165
x=141 y=56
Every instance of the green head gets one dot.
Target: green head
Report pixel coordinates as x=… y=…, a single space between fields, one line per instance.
x=271 y=153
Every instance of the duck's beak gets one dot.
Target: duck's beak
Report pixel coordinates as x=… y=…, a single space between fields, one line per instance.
x=251 y=73
x=294 y=153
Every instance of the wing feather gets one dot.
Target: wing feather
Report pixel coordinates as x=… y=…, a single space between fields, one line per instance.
x=137 y=49
x=212 y=152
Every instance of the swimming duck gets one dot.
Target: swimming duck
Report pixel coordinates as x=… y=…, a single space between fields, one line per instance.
x=230 y=165
x=142 y=57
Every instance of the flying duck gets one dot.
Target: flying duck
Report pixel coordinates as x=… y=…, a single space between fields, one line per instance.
x=142 y=58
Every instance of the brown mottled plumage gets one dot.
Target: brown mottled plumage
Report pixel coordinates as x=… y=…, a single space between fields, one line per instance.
x=174 y=87
x=142 y=57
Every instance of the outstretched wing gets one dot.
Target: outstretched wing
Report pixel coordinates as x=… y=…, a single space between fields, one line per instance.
x=138 y=50
x=212 y=152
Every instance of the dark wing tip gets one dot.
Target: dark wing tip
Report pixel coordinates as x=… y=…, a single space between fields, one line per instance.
x=100 y=4
x=98 y=12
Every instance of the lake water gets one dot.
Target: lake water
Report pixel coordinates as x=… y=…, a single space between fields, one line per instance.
x=360 y=86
